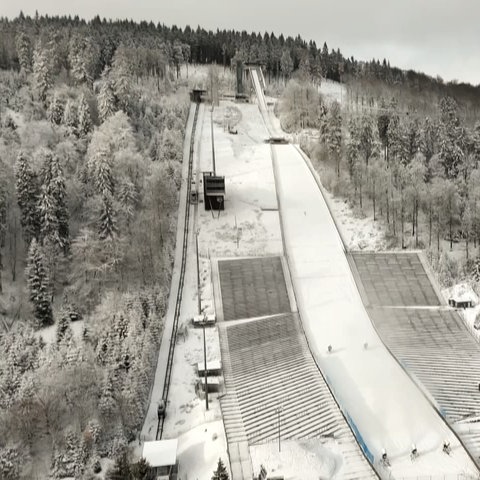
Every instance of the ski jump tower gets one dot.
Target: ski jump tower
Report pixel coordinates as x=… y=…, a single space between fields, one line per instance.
x=244 y=84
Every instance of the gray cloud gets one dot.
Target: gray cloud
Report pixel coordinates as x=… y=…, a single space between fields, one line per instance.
x=435 y=36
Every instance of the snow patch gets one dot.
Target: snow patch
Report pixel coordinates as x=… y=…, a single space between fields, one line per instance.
x=300 y=459
x=199 y=450
x=360 y=233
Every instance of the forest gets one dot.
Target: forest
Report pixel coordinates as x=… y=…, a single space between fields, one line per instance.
x=92 y=119
x=90 y=162
x=416 y=171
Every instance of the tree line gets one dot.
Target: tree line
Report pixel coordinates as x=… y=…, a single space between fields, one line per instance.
x=419 y=173
x=85 y=48
x=90 y=170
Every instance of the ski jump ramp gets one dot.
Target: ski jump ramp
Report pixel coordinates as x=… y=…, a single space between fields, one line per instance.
x=262 y=104
x=384 y=406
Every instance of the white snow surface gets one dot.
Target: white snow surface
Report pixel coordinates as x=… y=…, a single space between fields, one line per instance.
x=389 y=411
x=464 y=291
x=332 y=91
x=301 y=459
x=359 y=233
x=387 y=408
x=461 y=292
x=199 y=450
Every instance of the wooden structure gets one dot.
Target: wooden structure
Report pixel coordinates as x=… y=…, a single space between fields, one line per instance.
x=277 y=140
x=204 y=320
x=197 y=94
x=460 y=303
x=213 y=191
x=161 y=455
x=214 y=367
x=212 y=382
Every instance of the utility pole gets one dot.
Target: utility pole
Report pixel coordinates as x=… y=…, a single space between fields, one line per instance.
x=205 y=363
x=213 y=146
x=198 y=274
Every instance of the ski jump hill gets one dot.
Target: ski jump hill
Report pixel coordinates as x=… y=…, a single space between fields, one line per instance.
x=390 y=402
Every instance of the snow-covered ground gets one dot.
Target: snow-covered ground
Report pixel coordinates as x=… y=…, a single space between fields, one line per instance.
x=49 y=334
x=306 y=459
x=249 y=226
x=387 y=408
x=333 y=91
x=359 y=233
x=383 y=402
x=464 y=291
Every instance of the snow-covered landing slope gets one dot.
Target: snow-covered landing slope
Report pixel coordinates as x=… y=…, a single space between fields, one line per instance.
x=384 y=404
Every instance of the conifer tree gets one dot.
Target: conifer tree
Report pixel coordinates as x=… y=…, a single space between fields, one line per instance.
x=24 y=51
x=48 y=218
x=41 y=72
x=27 y=197
x=53 y=209
x=84 y=118
x=63 y=326
x=107 y=224
x=10 y=464
x=334 y=134
x=3 y=221
x=39 y=285
x=121 y=75
x=221 y=472
x=108 y=403
x=106 y=99
x=70 y=117
x=286 y=64
x=55 y=111
x=66 y=461
x=121 y=469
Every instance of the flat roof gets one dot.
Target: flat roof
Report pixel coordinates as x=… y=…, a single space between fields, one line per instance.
x=160 y=453
x=215 y=193
x=211 y=365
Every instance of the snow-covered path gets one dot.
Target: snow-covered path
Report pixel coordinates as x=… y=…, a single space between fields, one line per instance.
x=383 y=402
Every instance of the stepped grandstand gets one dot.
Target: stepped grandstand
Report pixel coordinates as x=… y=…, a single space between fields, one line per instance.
x=429 y=339
x=273 y=386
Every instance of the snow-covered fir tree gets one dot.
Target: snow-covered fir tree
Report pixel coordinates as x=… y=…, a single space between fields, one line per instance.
x=42 y=73
x=221 y=472
x=84 y=118
x=63 y=326
x=108 y=403
x=10 y=464
x=53 y=209
x=66 y=458
x=3 y=221
x=39 y=285
x=55 y=110
x=28 y=193
x=48 y=217
x=107 y=223
x=70 y=117
x=106 y=98
x=24 y=51
x=121 y=75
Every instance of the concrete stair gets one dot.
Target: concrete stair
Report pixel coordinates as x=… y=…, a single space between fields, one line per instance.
x=267 y=366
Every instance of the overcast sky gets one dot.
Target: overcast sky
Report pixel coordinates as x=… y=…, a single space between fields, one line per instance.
x=438 y=37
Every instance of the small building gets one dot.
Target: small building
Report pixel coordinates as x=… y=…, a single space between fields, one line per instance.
x=212 y=382
x=462 y=296
x=204 y=320
x=460 y=303
x=197 y=95
x=213 y=191
x=214 y=367
x=161 y=455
